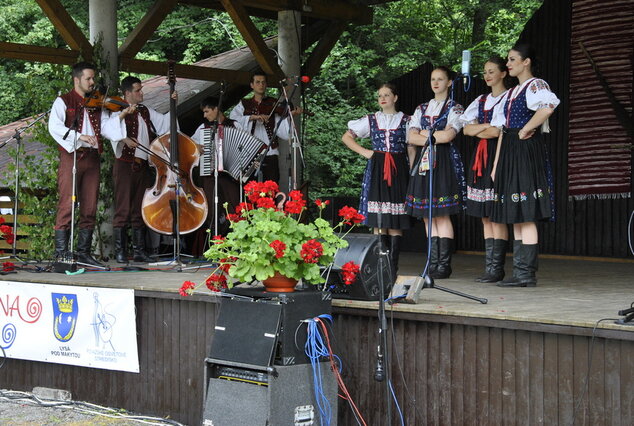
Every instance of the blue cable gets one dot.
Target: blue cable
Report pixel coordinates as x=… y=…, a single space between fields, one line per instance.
x=398 y=407
x=315 y=349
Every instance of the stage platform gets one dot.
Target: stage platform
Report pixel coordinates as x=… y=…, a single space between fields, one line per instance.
x=528 y=356
x=571 y=291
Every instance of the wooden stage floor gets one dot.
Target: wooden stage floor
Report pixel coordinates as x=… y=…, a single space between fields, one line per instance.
x=570 y=292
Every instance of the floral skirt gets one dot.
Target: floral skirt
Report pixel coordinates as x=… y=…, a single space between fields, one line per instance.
x=383 y=205
x=522 y=192
x=448 y=184
x=480 y=194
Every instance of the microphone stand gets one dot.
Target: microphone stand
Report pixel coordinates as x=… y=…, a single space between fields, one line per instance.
x=382 y=370
x=425 y=280
x=293 y=137
x=17 y=136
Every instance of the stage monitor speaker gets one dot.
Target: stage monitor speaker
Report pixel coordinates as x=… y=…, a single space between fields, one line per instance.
x=284 y=396
x=364 y=250
x=263 y=329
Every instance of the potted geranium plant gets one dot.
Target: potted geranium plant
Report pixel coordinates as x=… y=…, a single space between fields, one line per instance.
x=269 y=240
x=6 y=232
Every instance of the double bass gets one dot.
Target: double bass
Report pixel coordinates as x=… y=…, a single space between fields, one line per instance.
x=174 y=205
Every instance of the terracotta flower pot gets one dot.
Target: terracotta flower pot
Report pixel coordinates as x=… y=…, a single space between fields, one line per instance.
x=279 y=283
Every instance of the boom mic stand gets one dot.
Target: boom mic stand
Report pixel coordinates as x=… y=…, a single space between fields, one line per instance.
x=17 y=136
x=293 y=137
x=425 y=280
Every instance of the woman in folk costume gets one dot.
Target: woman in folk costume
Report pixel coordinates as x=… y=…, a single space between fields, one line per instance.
x=440 y=117
x=477 y=122
x=386 y=173
x=523 y=182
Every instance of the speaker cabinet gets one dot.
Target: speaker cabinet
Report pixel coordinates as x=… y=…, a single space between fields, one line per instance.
x=364 y=250
x=284 y=395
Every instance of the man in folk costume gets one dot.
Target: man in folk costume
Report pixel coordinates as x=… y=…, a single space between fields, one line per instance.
x=77 y=128
x=255 y=116
x=228 y=187
x=131 y=171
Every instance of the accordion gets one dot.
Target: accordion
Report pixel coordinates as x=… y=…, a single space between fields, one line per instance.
x=240 y=153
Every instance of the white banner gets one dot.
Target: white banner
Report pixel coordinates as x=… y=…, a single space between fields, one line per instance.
x=85 y=326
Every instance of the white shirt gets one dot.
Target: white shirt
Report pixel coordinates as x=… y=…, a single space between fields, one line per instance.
x=242 y=122
x=111 y=127
x=361 y=127
x=470 y=115
x=433 y=110
x=538 y=95
x=161 y=124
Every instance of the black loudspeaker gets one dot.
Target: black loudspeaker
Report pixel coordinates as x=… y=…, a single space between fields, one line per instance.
x=364 y=250
x=282 y=396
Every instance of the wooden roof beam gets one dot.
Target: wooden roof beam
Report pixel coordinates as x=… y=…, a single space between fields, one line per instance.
x=320 y=9
x=323 y=48
x=29 y=52
x=253 y=37
x=66 y=26
x=193 y=72
x=137 y=38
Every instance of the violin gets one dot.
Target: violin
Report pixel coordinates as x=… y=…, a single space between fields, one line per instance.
x=96 y=99
x=270 y=106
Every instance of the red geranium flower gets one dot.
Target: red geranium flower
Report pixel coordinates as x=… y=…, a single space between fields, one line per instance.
x=311 y=251
x=279 y=248
x=216 y=282
x=295 y=195
x=321 y=204
x=265 y=203
x=349 y=272
x=242 y=207
x=217 y=239
x=294 y=207
x=351 y=215
x=187 y=288
x=8 y=267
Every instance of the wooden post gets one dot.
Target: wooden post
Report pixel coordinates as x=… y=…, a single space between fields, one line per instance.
x=289 y=51
x=102 y=16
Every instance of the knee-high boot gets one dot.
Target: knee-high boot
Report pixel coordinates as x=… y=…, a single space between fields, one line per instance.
x=488 y=258
x=517 y=261
x=433 y=257
x=120 y=244
x=138 y=245
x=527 y=267
x=445 y=252
x=61 y=242
x=84 y=243
x=498 y=258
x=395 y=252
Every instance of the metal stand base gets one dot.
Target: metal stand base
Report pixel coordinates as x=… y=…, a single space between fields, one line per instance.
x=413 y=295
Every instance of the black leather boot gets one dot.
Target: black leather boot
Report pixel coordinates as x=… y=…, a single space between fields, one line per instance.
x=527 y=267
x=433 y=258
x=395 y=252
x=498 y=258
x=61 y=243
x=84 y=243
x=488 y=256
x=138 y=245
x=517 y=261
x=120 y=244
x=445 y=251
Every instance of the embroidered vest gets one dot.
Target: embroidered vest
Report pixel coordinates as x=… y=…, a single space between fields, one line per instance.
x=516 y=110
x=132 y=129
x=74 y=105
x=251 y=107
x=397 y=136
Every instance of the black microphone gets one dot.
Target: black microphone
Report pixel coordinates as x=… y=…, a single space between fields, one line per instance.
x=379 y=371
x=626 y=311
x=466 y=64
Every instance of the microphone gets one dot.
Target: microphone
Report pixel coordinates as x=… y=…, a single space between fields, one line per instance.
x=379 y=371
x=626 y=311
x=466 y=64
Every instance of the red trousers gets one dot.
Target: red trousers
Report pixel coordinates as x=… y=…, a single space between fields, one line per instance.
x=130 y=182
x=87 y=183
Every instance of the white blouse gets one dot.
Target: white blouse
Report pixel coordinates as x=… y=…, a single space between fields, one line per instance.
x=433 y=110
x=470 y=115
x=361 y=127
x=538 y=95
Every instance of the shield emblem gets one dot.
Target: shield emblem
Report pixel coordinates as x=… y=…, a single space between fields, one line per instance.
x=65 y=310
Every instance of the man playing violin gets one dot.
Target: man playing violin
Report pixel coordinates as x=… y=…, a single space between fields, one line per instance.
x=228 y=187
x=79 y=129
x=256 y=115
x=130 y=171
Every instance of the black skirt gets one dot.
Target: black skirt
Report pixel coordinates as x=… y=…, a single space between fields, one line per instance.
x=383 y=204
x=521 y=187
x=447 y=192
x=480 y=192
